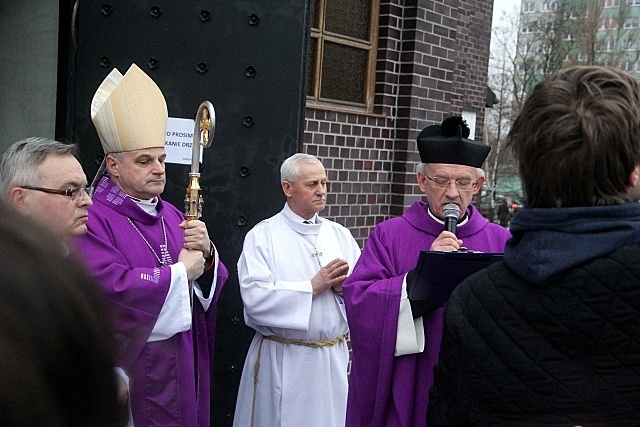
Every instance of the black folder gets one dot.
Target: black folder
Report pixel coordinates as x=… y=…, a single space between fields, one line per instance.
x=438 y=273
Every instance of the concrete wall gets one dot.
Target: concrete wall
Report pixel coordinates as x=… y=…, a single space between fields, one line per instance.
x=28 y=69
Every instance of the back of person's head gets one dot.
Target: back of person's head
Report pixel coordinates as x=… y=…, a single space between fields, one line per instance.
x=290 y=169
x=56 y=361
x=20 y=161
x=577 y=138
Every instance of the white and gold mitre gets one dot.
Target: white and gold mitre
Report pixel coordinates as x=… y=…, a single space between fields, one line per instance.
x=129 y=112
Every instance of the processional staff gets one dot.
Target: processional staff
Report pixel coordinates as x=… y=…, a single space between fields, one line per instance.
x=203 y=131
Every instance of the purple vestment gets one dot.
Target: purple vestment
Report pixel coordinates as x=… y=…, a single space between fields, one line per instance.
x=387 y=390
x=169 y=378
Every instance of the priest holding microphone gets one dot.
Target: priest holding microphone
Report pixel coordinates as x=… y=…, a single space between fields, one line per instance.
x=395 y=341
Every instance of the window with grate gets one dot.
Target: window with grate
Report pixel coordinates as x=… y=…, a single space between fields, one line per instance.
x=341 y=54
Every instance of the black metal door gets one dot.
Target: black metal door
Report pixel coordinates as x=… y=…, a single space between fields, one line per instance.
x=248 y=58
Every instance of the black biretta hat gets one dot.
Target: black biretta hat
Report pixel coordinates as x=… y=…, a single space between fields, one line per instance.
x=449 y=143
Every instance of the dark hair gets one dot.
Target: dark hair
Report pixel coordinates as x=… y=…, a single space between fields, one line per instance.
x=56 y=361
x=577 y=138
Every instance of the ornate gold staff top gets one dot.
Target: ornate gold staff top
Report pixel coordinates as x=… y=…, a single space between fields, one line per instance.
x=203 y=131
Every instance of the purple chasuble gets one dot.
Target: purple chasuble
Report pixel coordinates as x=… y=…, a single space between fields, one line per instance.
x=387 y=390
x=169 y=379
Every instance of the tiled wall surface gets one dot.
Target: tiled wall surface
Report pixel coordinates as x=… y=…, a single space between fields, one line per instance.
x=357 y=151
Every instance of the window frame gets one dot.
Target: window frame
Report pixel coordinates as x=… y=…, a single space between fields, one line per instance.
x=321 y=36
x=606 y=45
x=608 y=23
x=543 y=49
x=524 y=48
x=529 y=27
x=571 y=14
x=631 y=23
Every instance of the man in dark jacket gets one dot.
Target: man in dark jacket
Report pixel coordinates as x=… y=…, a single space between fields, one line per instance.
x=551 y=336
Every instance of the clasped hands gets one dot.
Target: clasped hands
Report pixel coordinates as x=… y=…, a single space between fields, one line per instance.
x=330 y=275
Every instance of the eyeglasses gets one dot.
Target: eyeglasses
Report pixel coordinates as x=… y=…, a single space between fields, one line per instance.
x=74 y=194
x=463 y=184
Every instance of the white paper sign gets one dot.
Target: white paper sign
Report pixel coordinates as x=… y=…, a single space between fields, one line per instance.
x=177 y=143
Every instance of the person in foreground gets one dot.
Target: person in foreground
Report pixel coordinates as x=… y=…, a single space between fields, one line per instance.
x=56 y=351
x=291 y=272
x=396 y=342
x=551 y=335
x=43 y=181
x=150 y=261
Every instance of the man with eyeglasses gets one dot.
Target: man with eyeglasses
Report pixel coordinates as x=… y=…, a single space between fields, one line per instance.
x=395 y=341
x=43 y=180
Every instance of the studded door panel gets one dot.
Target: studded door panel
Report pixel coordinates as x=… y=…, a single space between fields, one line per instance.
x=247 y=58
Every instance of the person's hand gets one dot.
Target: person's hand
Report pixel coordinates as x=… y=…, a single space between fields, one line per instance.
x=123 y=399
x=123 y=391
x=332 y=274
x=196 y=236
x=446 y=242
x=193 y=261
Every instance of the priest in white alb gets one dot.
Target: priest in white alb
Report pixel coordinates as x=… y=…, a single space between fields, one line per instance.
x=291 y=271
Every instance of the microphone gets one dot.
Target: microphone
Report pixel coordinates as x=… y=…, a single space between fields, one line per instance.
x=451 y=213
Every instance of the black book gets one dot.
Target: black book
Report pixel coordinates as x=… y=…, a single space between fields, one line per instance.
x=438 y=273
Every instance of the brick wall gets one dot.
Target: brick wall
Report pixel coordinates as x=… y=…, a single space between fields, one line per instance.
x=432 y=63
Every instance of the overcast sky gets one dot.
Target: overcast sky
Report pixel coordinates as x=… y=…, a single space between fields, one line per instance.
x=503 y=5
x=501 y=8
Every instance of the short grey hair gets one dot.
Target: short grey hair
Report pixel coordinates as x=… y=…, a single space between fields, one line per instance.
x=422 y=168
x=20 y=161
x=290 y=169
x=118 y=155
